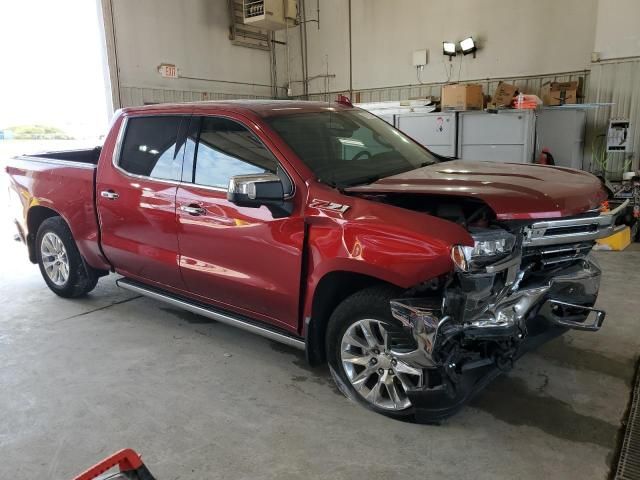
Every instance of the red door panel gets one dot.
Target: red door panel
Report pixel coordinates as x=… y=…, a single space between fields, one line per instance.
x=136 y=207
x=240 y=258
x=139 y=228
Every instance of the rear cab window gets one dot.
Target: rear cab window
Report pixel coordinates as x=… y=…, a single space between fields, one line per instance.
x=150 y=148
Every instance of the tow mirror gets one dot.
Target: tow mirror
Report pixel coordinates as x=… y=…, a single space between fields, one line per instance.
x=256 y=190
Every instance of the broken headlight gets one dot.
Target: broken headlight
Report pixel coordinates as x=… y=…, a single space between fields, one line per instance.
x=490 y=245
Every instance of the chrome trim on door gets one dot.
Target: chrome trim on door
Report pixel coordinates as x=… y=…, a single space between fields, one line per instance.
x=214 y=315
x=109 y=194
x=193 y=210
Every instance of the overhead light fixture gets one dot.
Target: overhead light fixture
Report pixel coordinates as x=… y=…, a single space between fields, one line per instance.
x=449 y=49
x=468 y=46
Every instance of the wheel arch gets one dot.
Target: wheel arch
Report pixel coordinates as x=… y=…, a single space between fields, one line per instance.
x=331 y=290
x=35 y=216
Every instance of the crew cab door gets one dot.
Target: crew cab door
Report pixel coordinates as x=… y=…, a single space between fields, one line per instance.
x=244 y=259
x=136 y=195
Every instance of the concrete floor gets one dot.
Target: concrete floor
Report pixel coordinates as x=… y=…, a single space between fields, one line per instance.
x=81 y=379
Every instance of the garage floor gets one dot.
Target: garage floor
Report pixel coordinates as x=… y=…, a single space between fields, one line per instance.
x=80 y=379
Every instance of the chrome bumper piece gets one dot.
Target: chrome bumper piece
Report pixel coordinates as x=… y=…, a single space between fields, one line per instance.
x=564 y=300
x=572 y=230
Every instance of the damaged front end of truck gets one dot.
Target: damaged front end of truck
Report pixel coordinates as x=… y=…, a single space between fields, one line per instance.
x=521 y=284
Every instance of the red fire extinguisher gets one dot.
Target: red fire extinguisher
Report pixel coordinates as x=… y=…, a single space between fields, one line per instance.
x=545 y=157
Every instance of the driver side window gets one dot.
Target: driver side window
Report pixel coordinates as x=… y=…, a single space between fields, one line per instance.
x=225 y=149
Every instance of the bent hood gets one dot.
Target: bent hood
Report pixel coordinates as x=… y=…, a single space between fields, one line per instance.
x=512 y=191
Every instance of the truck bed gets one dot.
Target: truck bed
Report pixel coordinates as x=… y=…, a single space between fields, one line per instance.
x=57 y=183
x=86 y=156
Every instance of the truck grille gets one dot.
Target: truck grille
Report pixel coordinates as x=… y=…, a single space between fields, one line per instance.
x=556 y=254
x=568 y=230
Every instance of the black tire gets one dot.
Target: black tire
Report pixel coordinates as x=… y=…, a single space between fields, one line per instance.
x=370 y=303
x=81 y=278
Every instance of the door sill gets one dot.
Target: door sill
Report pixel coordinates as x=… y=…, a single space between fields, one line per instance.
x=210 y=312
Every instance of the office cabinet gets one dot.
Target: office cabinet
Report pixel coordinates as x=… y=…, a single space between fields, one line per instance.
x=561 y=130
x=436 y=131
x=506 y=136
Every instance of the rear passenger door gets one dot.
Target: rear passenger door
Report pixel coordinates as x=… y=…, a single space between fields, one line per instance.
x=243 y=259
x=136 y=196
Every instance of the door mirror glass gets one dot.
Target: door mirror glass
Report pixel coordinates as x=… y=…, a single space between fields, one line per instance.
x=256 y=190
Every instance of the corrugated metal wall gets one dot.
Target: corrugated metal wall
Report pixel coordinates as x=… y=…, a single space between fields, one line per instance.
x=528 y=84
x=134 y=96
x=618 y=82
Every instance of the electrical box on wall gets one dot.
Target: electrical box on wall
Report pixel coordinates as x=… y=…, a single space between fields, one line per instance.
x=618 y=135
x=270 y=14
x=420 y=58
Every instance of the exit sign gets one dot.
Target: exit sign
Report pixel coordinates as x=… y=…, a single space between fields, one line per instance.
x=168 y=71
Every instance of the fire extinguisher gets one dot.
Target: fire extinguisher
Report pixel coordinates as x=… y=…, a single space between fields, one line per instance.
x=545 y=157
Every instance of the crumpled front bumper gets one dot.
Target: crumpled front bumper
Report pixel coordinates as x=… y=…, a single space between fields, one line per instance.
x=535 y=312
x=564 y=299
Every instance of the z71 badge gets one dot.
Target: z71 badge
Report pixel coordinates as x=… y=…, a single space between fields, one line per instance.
x=325 y=205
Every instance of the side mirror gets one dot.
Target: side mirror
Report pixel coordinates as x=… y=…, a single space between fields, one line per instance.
x=256 y=190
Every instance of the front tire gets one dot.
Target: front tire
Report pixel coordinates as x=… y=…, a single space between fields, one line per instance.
x=61 y=265
x=363 y=346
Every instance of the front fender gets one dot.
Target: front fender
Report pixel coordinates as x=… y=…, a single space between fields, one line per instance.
x=397 y=246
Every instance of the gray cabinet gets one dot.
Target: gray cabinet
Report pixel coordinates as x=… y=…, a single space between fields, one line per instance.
x=388 y=117
x=436 y=131
x=506 y=136
x=561 y=130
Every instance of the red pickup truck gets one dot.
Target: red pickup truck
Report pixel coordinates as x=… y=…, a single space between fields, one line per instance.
x=416 y=277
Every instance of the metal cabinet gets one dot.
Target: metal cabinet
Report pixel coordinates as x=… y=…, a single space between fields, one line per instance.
x=506 y=136
x=562 y=130
x=387 y=117
x=436 y=131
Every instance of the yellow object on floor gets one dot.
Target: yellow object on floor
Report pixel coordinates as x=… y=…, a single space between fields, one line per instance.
x=617 y=241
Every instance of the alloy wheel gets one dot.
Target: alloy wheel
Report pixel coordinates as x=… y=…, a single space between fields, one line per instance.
x=375 y=371
x=54 y=259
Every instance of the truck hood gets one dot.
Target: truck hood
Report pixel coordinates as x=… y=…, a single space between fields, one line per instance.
x=511 y=190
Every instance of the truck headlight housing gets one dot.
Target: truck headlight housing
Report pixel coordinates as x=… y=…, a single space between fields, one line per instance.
x=490 y=245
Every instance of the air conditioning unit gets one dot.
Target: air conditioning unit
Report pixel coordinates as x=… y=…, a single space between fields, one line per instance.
x=270 y=14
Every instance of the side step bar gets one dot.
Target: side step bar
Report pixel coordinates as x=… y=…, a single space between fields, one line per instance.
x=209 y=312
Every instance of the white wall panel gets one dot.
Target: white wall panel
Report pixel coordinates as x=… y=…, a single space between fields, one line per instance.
x=527 y=37
x=617 y=32
x=193 y=35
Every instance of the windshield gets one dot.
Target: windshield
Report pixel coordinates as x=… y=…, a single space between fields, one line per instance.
x=349 y=147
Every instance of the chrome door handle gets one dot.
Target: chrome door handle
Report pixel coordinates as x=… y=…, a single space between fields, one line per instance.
x=109 y=194
x=193 y=209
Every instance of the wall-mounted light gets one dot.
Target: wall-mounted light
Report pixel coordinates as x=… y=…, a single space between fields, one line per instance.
x=449 y=49
x=468 y=45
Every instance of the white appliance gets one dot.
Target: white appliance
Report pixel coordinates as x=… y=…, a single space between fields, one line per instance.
x=436 y=131
x=506 y=136
x=561 y=130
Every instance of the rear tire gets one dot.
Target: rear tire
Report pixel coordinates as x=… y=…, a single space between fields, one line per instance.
x=61 y=265
x=380 y=376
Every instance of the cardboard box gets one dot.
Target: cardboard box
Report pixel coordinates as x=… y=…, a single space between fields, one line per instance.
x=560 y=93
x=504 y=94
x=462 y=97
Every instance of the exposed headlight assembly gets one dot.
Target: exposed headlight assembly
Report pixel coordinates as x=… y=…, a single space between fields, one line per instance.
x=490 y=245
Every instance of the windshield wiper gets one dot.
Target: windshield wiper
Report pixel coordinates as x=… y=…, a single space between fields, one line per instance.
x=365 y=180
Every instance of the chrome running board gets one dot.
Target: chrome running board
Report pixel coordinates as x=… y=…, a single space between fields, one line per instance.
x=226 y=318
